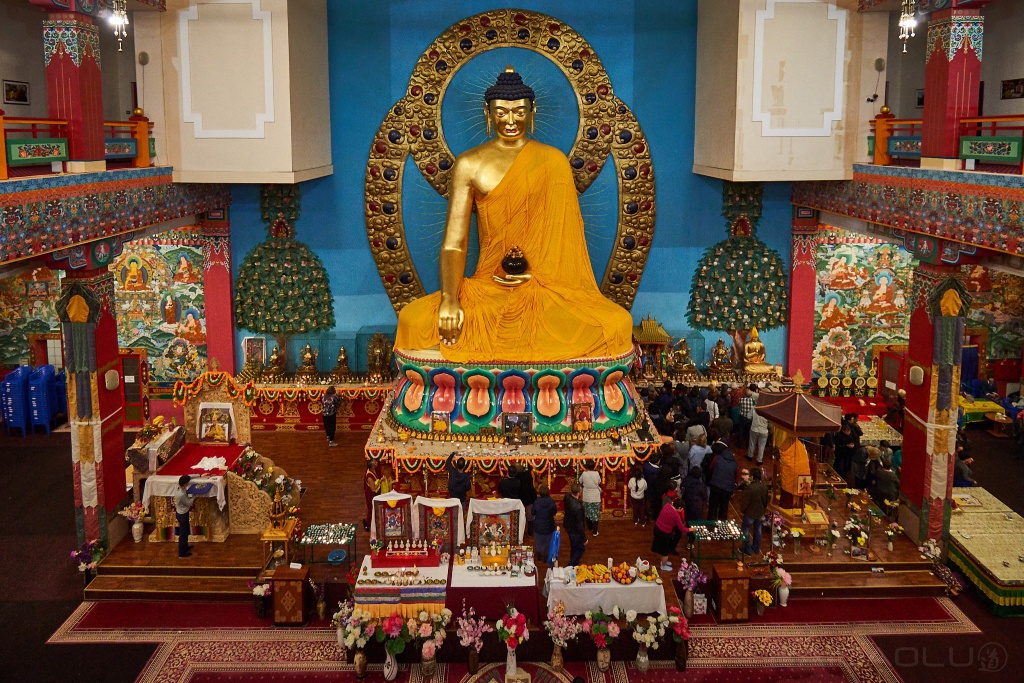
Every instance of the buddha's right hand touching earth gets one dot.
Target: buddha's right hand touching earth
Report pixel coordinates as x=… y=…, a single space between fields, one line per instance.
x=450 y=317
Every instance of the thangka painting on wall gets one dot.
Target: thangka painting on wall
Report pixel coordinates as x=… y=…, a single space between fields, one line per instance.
x=998 y=305
x=438 y=524
x=27 y=303
x=158 y=286
x=861 y=298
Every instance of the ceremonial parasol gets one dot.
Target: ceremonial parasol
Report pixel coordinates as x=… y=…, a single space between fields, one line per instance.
x=799 y=413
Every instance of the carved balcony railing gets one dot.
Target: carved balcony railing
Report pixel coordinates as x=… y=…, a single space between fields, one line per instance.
x=993 y=143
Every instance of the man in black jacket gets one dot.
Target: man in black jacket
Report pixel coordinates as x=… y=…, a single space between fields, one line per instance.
x=458 y=479
x=508 y=487
x=575 y=527
x=754 y=508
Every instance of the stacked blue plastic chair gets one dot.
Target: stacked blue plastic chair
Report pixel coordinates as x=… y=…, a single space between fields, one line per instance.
x=14 y=400
x=42 y=394
x=61 y=384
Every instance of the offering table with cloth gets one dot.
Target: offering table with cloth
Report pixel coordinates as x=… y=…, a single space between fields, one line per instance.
x=209 y=521
x=646 y=597
x=381 y=599
x=975 y=409
x=488 y=595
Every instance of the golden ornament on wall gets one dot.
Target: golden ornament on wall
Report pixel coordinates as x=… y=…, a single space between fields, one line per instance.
x=413 y=128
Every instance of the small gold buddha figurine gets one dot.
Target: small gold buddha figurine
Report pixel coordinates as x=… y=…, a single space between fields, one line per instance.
x=308 y=356
x=754 y=355
x=277 y=510
x=721 y=358
x=681 y=361
x=341 y=371
x=275 y=365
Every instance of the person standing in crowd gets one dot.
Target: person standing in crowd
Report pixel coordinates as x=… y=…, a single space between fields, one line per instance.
x=508 y=487
x=754 y=507
x=386 y=483
x=329 y=413
x=694 y=493
x=590 y=480
x=458 y=479
x=651 y=470
x=722 y=481
x=962 y=475
x=722 y=426
x=637 y=486
x=527 y=494
x=182 y=506
x=886 y=486
x=845 y=445
x=746 y=405
x=575 y=524
x=711 y=405
x=669 y=528
x=758 y=438
x=544 y=511
x=698 y=451
x=371 y=484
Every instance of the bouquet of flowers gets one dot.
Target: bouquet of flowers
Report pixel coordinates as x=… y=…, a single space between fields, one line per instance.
x=832 y=536
x=376 y=545
x=774 y=560
x=930 y=550
x=345 y=610
x=855 y=531
x=601 y=627
x=472 y=629
x=797 y=533
x=561 y=628
x=831 y=494
x=512 y=629
x=431 y=630
x=690 y=575
x=88 y=556
x=649 y=631
x=261 y=590
x=133 y=513
x=892 y=530
x=677 y=625
x=763 y=596
x=357 y=628
x=394 y=633
x=781 y=578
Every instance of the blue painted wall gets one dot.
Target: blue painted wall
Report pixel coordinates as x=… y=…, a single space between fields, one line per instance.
x=649 y=50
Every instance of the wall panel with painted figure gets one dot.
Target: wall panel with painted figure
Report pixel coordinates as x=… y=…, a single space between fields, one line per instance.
x=26 y=307
x=161 y=304
x=998 y=305
x=861 y=299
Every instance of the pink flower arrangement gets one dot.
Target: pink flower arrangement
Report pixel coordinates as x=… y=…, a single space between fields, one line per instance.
x=690 y=575
x=512 y=629
x=561 y=628
x=429 y=649
x=472 y=629
x=782 y=578
x=601 y=627
x=677 y=625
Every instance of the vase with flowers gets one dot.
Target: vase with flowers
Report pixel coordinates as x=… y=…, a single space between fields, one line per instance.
x=856 y=532
x=782 y=581
x=603 y=629
x=797 y=533
x=429 y=631
x=318 y=590
x=831 y=538
x=355 y=629
x=511 y=628
x=87 y=557
x=133 y=513
x=471 y=630
x=690 y=577
x=261 y=593
x=562 y=630
x=762 y=599
x=647 y=632
x=394 y=633
x=679 y=627
x=890 y=533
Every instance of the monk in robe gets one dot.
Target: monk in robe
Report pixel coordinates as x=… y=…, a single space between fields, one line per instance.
x=525 y=198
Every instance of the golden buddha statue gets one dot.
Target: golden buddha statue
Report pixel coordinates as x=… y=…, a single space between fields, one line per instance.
x=275 y=365
x=754 y=355
x=721 y=358
x=681 y=361
x=341 y=370
x=533 y=296
x=307 y=369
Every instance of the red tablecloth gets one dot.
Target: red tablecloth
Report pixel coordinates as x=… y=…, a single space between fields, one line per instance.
x=191 y=453
x=872 y=406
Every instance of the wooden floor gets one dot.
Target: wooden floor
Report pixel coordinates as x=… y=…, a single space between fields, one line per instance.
x=332 y=479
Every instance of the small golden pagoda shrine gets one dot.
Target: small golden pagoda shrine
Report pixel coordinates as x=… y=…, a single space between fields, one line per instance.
x=654 y=342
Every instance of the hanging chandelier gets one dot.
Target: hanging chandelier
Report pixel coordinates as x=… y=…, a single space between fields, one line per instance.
x=907 y=22
x=119 y=20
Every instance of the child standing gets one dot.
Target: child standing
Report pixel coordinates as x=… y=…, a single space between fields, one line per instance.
x=638 y=495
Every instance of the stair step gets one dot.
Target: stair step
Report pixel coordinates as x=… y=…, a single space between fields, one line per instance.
x=914 y=583
x=842 y=567
x=129 y=587
x=182 y=570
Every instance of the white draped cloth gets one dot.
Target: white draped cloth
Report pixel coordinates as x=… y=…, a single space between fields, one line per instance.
x=384 y=498
x=497 y=506
x=424 y=506
x=165 y=485
x=643 y=596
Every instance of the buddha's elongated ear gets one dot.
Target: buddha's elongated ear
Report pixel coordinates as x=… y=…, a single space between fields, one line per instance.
x=533 y=119
x=487 y=118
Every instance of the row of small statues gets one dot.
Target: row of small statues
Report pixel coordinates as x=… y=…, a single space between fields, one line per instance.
x=753 y=360
x=378 y=352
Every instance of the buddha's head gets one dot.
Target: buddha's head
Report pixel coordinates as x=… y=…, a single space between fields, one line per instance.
x=509 y=106
x=754 y=337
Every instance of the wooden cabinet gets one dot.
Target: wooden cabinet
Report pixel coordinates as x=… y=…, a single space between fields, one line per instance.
x=730 y=591
x=291 y=607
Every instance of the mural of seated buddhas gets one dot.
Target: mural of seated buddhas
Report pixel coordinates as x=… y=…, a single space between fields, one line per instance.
x=861 y=301
x=161 y=304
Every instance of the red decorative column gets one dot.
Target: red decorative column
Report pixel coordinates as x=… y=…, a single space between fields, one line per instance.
x=95 y=413
x=937 y=325
x=217 y=290
x=952 y=77
x=74 y=88
x=803 y=279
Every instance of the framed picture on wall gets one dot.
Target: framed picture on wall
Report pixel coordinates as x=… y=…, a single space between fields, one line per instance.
x=920 y=98
x=16 y=92
x=1012 y=89
x=255 y=348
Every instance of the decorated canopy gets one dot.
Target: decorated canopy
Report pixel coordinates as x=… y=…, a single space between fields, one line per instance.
x=801 y=414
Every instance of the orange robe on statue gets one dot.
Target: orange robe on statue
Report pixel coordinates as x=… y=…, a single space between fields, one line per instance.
x=560 y=313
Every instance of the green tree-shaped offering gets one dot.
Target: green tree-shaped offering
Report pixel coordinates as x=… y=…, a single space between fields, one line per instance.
x=739 y=283
x=282 y=286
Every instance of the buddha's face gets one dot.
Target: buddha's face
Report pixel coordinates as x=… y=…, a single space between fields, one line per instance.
x=510 y=118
